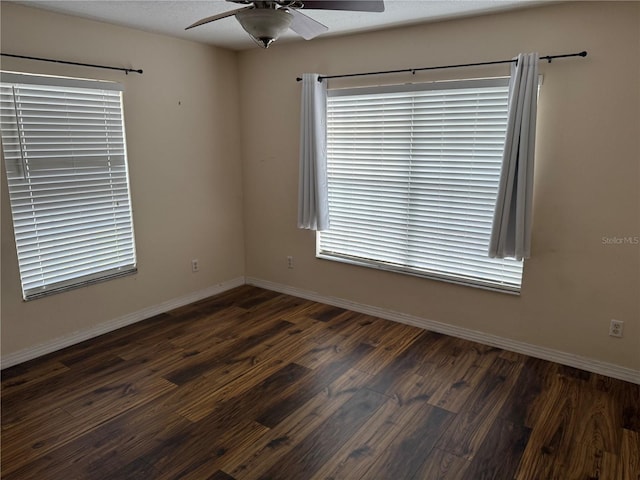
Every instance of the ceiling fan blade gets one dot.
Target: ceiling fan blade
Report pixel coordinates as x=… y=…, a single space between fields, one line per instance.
x=217 y=17
x=353 y=5
x=305 y=26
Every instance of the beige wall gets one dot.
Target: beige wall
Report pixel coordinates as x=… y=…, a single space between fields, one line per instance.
x=184 y=161
x=586 y=185
x=186 y=158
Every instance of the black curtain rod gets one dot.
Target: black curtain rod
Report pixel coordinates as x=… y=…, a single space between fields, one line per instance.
x=125 y=70
x=414 y=70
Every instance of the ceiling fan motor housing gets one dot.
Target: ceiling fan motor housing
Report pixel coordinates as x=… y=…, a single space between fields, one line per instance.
x=265 y=25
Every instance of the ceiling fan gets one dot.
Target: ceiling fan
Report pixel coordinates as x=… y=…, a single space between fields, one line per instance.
x=265 y=21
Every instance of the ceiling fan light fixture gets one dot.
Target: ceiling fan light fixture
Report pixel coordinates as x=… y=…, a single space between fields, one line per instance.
x=265 y=25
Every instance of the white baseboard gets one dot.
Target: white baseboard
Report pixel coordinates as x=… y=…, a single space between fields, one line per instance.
x=557 y=356
x=82 y=335
x=584 y=363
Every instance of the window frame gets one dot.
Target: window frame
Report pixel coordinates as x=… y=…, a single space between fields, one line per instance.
x=109 y=169
x=406 y=269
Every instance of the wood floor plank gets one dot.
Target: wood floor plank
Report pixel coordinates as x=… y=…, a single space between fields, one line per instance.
x=526 y=401
x=162 y=357
x=126 y=438
x=202 y=329
x=99 y=367
x=103 y=450
x=52 y=429
x=342 y=329
x=248 y=403
x=470 y=427
x=110 y=344
x=320 y=446
x=318 y=355
x=579 y=431
x=136 y=470
x=500 y=453
x=220 y=475
x=38 y=435
x=628 y=396
x=324 y=313
x=587 y=461
x=281 y=439
x=458 y=373
x=382 y=333
x=202 y=452
x=374 y=438
x=238 y=370
x=287 y=345
x=549 y=431
x=199 y=398
x=390 y=378
x=441 y=465
x=254 y=384
x=30 y=377
x=335 y=337
x=389 y=342
x=628 y=462
x=310 y=385
x=200 y=364
x=55 y=391
x=118 y=396
x=420 y=434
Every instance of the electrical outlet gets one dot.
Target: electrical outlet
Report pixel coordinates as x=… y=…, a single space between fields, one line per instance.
x=195 y=265
x=289 y=261
x=615 y=328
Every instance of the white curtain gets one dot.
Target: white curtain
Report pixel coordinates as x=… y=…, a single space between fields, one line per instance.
x=313 y=207
x=511 y=232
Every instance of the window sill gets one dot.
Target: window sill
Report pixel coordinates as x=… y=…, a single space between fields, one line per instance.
x=467 y=282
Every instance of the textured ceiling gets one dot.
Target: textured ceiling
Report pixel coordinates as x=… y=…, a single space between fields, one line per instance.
x=171 y=17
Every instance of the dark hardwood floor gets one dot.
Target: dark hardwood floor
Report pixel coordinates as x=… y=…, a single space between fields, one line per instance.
x=253 y=384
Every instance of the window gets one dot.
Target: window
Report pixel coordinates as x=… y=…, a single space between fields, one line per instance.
x=413 y=176
x=64 y=149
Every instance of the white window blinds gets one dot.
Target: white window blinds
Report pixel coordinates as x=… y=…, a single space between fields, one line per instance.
x=413 y=175
x=64 y=149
